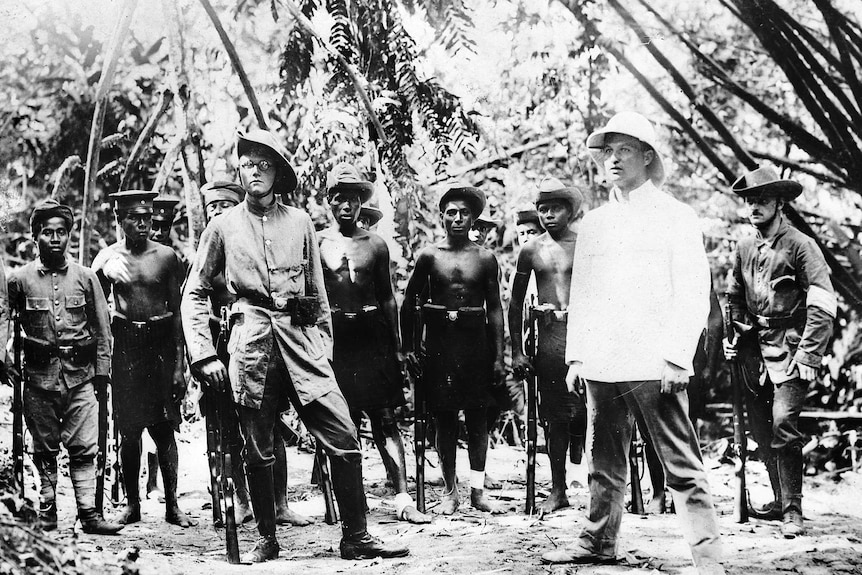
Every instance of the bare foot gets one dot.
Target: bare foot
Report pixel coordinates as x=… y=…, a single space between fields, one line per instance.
x=286 y=516
x=176 y=516
x=491 y=483
x=656 y=504
x=242 y=513
x=413 y=515
x=556 y=500
x=480 y=502
x=131 y=514
x=448 y=504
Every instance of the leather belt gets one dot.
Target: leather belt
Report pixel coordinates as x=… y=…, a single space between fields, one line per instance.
x=779 y=322
x=283 y=304
x=454 y=315
x=351 y=315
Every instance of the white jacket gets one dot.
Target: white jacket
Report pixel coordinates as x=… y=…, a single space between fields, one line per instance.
x=640 y=288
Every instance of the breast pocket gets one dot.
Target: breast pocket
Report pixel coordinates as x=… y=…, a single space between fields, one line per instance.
x=75 y=309
x=37 y=309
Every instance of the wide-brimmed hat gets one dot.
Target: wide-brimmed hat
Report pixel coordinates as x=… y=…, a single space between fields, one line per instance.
x=266 y=139
x=51 y=208
x=554 y=189
x=485 y=220
x=345 y=178
x=638 y=127
x=474 y=197
x=222 y=190
x=371 y=214
x=764 y=182
x=526 y=217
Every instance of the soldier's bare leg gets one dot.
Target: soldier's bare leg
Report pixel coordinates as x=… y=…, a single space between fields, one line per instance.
x=447 y=446
x=284 y=515
x=557 y=435
x=166 y=448
x=477 y=449
x=387 y=437
x=152 y=474
x=130 y=459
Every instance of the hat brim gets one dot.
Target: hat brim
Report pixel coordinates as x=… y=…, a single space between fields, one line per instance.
x=288 y=176
x=373 y=215
x=473 y=196
x=364 y=189
x=787 y=190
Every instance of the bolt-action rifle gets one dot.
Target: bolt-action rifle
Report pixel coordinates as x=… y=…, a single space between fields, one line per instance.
x=18 y=405
x=419 y=409
x=636 y=464
x=739 y=440
x=102 y=455
x=531 y=348
x=321 y=462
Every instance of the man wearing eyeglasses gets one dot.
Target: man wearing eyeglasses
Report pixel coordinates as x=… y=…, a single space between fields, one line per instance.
x=639 y=301
x=147 y=364
x=280 y=345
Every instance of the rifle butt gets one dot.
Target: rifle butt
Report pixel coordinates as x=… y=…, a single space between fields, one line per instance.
x=530 y=505
x=331 y=515
x=102 y=455
x=227 y=485
x=419 y=448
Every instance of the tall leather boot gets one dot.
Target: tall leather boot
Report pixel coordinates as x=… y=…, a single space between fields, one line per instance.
x=260 y=488
x=790 y=474
x=773 y=510
x=46 y=464
x=83 y=473
x=356 y=542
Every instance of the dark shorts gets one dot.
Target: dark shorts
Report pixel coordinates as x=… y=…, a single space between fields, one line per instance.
x=142 y=375
x=459 y=360
x=70 y=416
x=365 y=361
x=556 y=403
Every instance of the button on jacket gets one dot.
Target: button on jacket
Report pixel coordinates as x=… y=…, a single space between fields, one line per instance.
x=62 y=306
x=781 y=285
x=261 y=253
x=640 y=288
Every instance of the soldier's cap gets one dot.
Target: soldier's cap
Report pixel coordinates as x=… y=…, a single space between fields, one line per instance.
x=371 y=214
x=474 y=197
x=526 y=217
x=164 y=207
x=554 y=189
x=765 y=183
x=345 y=178
x=133 y=200
x=266 y=139
x=50 y=208
x=222 y=190
x=638 y=127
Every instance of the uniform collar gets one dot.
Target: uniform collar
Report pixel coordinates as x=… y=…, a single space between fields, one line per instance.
x=259 y=211
x=640 y=194
x=43 y=269
x=782 y=229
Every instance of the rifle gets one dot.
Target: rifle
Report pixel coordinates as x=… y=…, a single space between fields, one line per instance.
x=321 y=462
x=116 y=470
x=18 y=407
x=531 y=348
x=419 y=415
x=739 y=440
x=636 y=455
x=102 y=455
x=214 y=452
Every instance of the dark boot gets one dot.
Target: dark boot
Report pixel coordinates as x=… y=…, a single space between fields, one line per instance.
x=46 y=465
x=260 y=487
x=94 y=523
x=366 y=546
x=790 y=474
x=772 y=511
x=48 y=516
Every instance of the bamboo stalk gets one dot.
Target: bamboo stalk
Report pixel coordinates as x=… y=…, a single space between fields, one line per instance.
x=165 y=98
x=109 y=66
x=236 y=63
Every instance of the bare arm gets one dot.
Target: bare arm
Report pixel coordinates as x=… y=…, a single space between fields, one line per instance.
x=494 y=309
x=516 y=306
x=384 y=292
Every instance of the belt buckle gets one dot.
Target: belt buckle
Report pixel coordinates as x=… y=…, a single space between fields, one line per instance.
x=762 y=321
x=279 y=303
x=139 y=324
x=452 y=315
x=349 y=315
x=65 y=349
x=560 y=315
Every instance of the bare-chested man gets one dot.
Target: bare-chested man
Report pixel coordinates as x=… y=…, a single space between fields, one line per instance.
x=464 y=339
x=147 y=363
x=367 y=343
x=549 y=257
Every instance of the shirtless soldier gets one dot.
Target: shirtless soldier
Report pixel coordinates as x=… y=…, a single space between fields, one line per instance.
x=148 y=379
x=549 y=257
x=463 y=319
x=365 y=326
x=67 y=348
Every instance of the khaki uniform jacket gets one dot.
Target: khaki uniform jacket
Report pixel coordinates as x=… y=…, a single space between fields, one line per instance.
x=263 y=255
x=781 y=286
x=62 y=307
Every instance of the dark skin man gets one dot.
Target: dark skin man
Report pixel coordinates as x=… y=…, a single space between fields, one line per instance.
x=145 y=277
x=459 y=275
x=549 y=257
x=356 y=272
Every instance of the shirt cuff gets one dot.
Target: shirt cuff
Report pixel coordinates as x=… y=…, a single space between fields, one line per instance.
x=809 y=359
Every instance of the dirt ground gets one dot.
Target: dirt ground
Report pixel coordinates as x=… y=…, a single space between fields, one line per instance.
x=473 y=542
